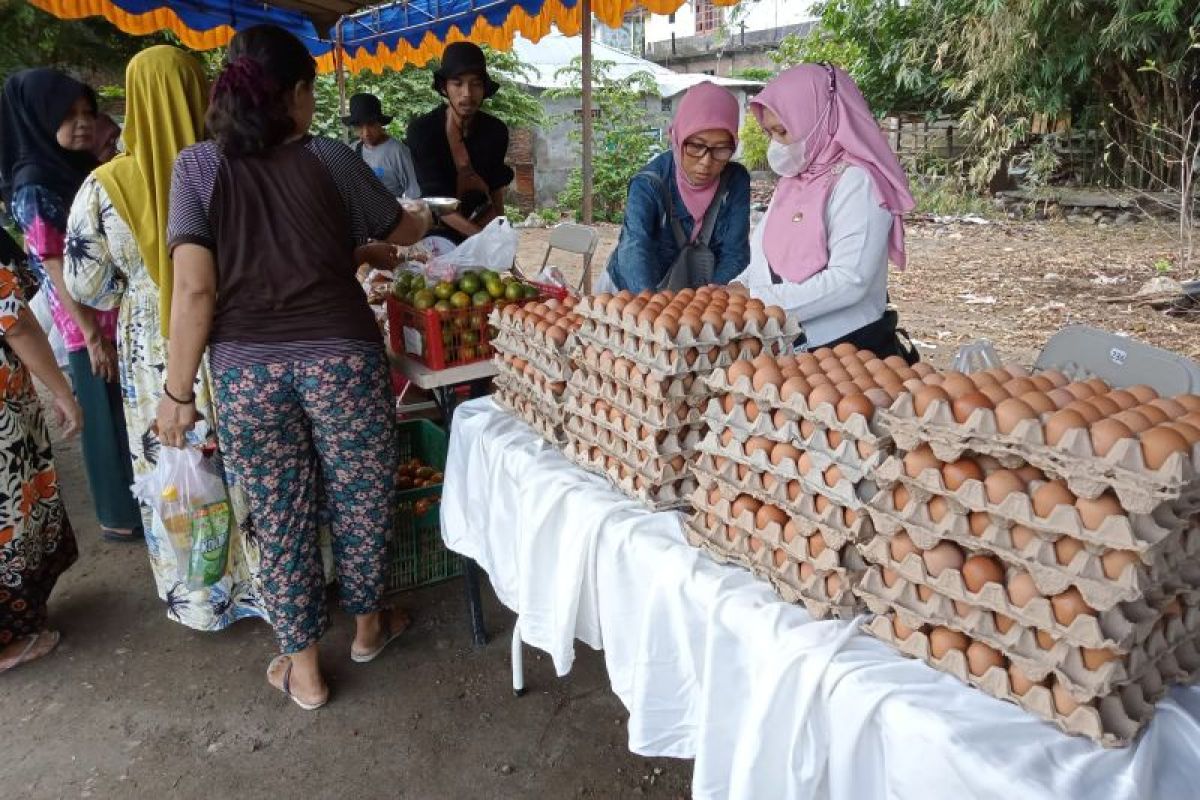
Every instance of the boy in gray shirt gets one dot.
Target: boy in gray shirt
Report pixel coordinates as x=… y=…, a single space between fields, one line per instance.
x=388 y=157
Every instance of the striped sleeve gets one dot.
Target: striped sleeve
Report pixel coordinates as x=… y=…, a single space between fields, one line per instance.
x=373 y=211
x=192 y=181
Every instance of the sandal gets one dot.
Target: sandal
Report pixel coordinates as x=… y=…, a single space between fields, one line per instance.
x=53 y=637
x=286 y=688
x=119 y=535
x=389 y=635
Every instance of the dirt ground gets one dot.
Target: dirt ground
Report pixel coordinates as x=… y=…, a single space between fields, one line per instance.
x=133 y=705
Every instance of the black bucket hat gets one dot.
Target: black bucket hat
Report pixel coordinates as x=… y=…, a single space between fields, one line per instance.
x=365 y=109
x=462 y=58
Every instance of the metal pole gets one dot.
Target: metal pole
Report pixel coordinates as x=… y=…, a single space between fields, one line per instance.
x=339 y=62
x=585 y=7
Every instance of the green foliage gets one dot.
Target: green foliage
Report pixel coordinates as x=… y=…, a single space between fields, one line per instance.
x=625 y=135
x=942 y=194
x=753 y=141
x=762 y=74
x=409 y=92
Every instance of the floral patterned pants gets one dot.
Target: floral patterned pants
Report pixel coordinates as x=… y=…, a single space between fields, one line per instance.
x=284 y=426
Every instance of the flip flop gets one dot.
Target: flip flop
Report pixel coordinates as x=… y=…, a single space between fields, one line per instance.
x=287 y=684
x=114 y=535
x=24 y=658
x=389 y=636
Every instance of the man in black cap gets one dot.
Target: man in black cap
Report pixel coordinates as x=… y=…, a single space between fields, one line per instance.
x=458 y=148
x=388 y=157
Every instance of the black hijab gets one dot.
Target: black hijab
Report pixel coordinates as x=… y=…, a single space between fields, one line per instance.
x=33 y=106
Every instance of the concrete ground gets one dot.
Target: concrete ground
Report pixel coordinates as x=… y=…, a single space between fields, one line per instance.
x=133 y=705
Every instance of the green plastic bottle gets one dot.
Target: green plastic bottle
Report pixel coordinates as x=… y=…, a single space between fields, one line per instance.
x=210 y=544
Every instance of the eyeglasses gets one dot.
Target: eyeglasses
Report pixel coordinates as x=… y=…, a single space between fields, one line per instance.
x=721 y=153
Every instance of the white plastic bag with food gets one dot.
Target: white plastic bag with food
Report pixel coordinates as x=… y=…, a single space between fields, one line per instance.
x=494 y=248
x=188 y=497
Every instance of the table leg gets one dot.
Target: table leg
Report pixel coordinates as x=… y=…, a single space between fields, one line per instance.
x=479 y=634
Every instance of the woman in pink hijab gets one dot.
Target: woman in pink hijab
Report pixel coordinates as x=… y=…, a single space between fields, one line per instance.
x=836 y=218
x=687 y=218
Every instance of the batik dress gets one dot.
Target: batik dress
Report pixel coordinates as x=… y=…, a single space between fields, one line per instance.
x=104 y=270
x=36 y=541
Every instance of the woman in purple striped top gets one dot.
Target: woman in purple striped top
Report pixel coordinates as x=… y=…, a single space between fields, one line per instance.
x=263 y=228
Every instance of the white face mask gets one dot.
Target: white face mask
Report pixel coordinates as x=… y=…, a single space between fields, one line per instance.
x=787 y=160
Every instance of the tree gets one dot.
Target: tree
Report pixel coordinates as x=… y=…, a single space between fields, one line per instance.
x=626 y=136
x=409 y=92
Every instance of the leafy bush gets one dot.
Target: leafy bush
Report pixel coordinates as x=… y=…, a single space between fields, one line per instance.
x=753 y=142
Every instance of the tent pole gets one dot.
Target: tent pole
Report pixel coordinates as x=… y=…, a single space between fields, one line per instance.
x=339 y=61
x=586 y=148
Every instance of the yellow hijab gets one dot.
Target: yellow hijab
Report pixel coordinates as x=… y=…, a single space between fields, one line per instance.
x=166 y=95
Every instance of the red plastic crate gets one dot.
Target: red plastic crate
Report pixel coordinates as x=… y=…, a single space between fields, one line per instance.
x=439 y=339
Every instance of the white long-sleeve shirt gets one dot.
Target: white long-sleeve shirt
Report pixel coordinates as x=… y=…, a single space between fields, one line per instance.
x=852 y=290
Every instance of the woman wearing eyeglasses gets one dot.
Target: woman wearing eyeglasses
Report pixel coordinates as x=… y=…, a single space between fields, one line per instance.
x=837 y=215
x=687 y=219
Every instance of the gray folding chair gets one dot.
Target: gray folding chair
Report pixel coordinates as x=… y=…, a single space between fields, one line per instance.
x=578 y=239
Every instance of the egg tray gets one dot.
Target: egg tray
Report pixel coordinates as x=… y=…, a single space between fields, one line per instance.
x=654 y=440
x=1168 y=660
x=1118 y=628
x=652 y=468
x=707 y=335
x=536 y=389
x=520 y=336
x=857 y=427
x=843 y=556
x=1085 y=571
x=656 y=497
x=527 y=412
x=554 y=366
x=654 y=413
x=1122 y=469
x=522 y=331
x=604 y=437
x=636 y=337
x=675 y=362
x=649 y=384
x=845 y=492
x=854 y=467
x=803 y=512
x=1112 y=721
x=809 y=592
x=846 y=455
x=1173 y=558
x=1132 y=531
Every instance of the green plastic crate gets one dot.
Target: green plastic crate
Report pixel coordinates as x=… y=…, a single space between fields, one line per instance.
x=416 y=554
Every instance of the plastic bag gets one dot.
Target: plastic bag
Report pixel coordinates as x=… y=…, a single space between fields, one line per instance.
x=976 y=356
x=494 y=247
x=188 y=496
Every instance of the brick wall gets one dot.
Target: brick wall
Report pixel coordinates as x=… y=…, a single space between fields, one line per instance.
x=523 y=191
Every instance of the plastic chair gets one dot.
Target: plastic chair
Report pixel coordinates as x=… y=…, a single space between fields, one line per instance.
x=1083 y=351
x=578 y=239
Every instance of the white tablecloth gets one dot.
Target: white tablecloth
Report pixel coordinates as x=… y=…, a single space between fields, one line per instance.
x=713 y=666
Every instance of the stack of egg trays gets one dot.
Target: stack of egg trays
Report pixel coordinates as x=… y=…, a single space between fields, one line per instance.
x=532 y=376
x=1109 y=668
x=814 y=550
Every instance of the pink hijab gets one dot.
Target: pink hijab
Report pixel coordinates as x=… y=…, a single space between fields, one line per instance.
x=795 y=240
x=704 y=107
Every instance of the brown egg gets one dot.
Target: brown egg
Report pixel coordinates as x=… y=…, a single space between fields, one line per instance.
x=822 y=504
x=1191 y=433
x=1085 y=409
x=1135 y=421
x=1051 y=495
x=1055 y=377
x=816 y=545
x=1115 y=562
x=727 y=437
x=767 y=376
x=966 y=405
x=1003 y=624
x=794 y=490
x=738 y=370
x=770 y=515
x=833 y=476
x=920 y=459
x=1143 y=393
x=751 y=410
x=1106 y=433
x=834 y=439
x=880 y=398
x=981 y=658
x=1159 y=444
x=1001 y=483
x=979 y=522
x=1156 y=415
x=854 y=404
x=980 y=570
x=780 y=419
x=1060 y=397
x=824 y=394
x=1044 y=640
x=1066 y=548
x=956 y=384
x=781 y=452
x=1022 y=589
x=1018 y=681
x=1021 y=537
x=793 y=387
x=901 y=630
x=996 y=394
x=1080 y=391
x=790 y=531
x=1189 y=401
x=757 y=444
x=769 y=482
x=1095 y=658
x=1009 y=413
x=1040 y=402
x=744 y=503
x=956 y=473
x=938 y=508
x=865 y=449
x=1061 y=422
x=890 y=576
x=1121 y=399
x=804 y=464
x=1093 y=513
x=901 y=546
x=900 y=497
x=1068 y=605
x=1064 y=703
x=942 y=640
x=924 y=593
x=924 y=398
x=1030 y=473
x=833 y=585
x=943 y=556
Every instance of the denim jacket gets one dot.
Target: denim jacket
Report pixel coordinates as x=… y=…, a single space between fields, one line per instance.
x=647 y=247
